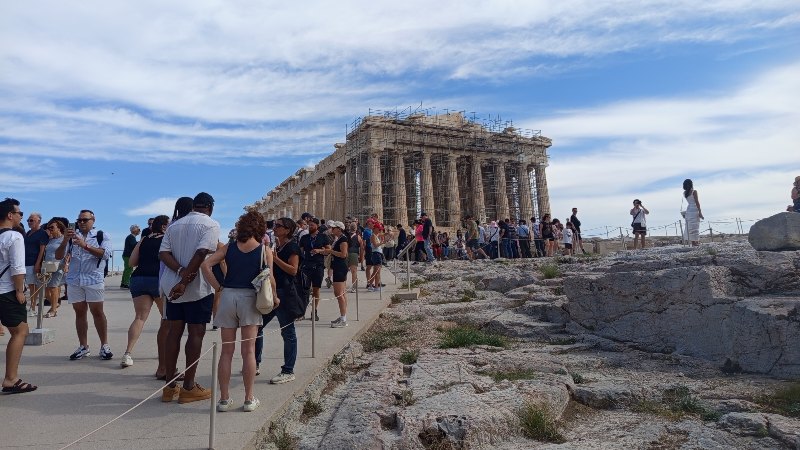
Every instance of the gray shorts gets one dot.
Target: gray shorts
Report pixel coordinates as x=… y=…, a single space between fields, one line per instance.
x=237 y=308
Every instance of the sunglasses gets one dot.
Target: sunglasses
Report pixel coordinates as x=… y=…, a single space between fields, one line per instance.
x=21 y=214
x=82 y=220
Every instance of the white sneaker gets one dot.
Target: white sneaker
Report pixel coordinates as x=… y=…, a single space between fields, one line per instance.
x=251 y=405
x=338 y=323
x=352 y=290
x=127 y=361
x=224 y=405
x=105 y=352
x=282 y=378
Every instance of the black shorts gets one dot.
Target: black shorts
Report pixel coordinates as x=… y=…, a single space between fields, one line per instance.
x=639 y=229
x=374 y=258
x=472 y=244
x=568 y=246
x=340 y=273
x=193 y=313
x=315 y=274
x=12 y=312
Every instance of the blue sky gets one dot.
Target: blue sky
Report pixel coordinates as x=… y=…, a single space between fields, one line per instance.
x=121 y=108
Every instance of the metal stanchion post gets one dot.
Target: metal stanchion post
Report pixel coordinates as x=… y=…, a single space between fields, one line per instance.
x=408 y=270
x=44 y=280
x=314 y=327
x=356 y=298
x=214 y=387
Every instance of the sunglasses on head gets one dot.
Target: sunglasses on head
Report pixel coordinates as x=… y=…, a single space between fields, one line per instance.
x=82 y=220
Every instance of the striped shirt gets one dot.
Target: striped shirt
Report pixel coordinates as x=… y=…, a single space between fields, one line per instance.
x=183 y=238
x=85 y=269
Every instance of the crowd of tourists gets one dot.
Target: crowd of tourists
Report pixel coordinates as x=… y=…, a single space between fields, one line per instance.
x=180 y=266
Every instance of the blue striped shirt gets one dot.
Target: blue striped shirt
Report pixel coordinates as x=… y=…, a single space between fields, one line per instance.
x=84 y=269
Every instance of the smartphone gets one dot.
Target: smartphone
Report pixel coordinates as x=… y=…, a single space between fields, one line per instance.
x=71 y=226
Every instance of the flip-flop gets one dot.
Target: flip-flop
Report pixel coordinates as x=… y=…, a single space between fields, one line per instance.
x=20 y=387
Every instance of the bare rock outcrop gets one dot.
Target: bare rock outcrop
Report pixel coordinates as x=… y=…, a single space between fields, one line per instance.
x=776 y=233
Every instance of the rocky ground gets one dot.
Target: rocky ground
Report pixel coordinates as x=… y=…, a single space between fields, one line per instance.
x=632 y=350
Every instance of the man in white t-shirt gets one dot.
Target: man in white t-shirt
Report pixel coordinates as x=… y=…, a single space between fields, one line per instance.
x=12 y=293
x=190 y=298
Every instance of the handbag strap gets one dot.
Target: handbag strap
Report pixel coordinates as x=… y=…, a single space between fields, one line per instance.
x=637 y=215
x=263 y=264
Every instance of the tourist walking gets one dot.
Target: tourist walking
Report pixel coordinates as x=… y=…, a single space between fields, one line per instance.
x=12 y=294
x=693 y=212
x=55 y=230
x=354 y=245
x=285 y=266
x=639 y=223
x=576 y=223
x=145 y=291
x=548 y=236
x=427 y=229
x=190 y=297
x=130 y=243
x=314 y=262
x=339 y=252
x=245 y=257
x=36 y=239
x=89 y=249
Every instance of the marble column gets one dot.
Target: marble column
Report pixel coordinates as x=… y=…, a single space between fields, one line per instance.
x=453 y=202
x=525 y=198
x=341 y=193
x=297 y=205
x=320 y=199
x=330 y=196
x=375 y=187
x=426 y=181
x=542 y=197
x=304 y=200
x=399 y=188
x=352 y=202
x=479 y=204
x=502 y=192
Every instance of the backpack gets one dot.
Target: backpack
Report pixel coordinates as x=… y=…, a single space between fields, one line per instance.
x=100 y=237
x=302 y=286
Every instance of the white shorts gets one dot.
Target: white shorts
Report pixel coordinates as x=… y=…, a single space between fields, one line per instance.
x=78 y=294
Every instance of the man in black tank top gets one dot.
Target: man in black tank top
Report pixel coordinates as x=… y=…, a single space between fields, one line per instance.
x=314 y=263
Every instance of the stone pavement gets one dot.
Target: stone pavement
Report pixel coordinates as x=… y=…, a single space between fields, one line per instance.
x=76 y=397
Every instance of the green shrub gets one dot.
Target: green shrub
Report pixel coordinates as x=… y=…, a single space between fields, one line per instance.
x=283 y=440
x=550 y=271
x=386 y=334
x=538 y=423
x=578 y=378
x=409 y=356
x=468 y=336
x=405 y=398
x=785 y=400
x=311 y=408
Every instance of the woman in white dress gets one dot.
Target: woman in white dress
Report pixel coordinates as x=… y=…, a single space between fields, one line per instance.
x=693 y=212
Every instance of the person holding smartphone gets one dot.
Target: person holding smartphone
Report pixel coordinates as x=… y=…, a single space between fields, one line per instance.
x=89 y=249
x=639 y=223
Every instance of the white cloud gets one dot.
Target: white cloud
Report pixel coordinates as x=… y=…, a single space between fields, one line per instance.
x=163 y=205
x=740 y=148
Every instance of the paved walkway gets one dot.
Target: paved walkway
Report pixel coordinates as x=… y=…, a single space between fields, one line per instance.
x=76 y=397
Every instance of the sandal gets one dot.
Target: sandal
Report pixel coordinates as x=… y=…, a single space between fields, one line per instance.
x=20 y=387
x=50 y=314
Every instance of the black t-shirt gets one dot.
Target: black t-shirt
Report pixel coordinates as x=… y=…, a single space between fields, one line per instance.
x=284 y=252
x=33 y=240
x=308 y=243
x=504 y=227
x=148 y=257
x=575 y=222
x=130 y=243
x=353 y=246
x=338 y=263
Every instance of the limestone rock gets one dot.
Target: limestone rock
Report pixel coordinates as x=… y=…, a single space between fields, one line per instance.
x=776 y=233
x=745 y=424
x=604 y=395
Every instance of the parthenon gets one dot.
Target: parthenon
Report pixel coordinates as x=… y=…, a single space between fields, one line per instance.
x=399 y=166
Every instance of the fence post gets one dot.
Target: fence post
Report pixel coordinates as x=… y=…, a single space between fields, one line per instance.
x=711 y=231
x=314 y=326
x=622 y=239
x=214 y=388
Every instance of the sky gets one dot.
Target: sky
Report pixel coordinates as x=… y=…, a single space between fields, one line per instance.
x=121 y=107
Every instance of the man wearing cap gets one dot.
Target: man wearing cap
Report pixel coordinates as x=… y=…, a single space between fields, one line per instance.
x=190 y=297
x=314 y=261
x=427 y=227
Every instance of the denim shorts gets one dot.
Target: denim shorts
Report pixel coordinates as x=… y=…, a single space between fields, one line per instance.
x=144 y=286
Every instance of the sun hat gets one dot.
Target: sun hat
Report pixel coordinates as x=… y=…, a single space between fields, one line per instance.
x=337 y=224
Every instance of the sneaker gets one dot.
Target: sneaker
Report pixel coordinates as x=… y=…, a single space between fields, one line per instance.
x=251 y=405
x=80 y=353
x=196 y=393
x=328 y=282
x=352 y=290
x=316 y=317
x=370 y=289
x=169 y=394
x=105 y=353
x=31 y=313
x=338 y=323
x=127 y=361
x=224 y=405
x=282 y=378
x=258 y=370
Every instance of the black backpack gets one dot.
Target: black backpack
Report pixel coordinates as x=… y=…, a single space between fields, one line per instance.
x=100 y=237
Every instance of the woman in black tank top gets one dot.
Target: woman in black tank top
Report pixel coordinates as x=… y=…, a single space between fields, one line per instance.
x=244 y=259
